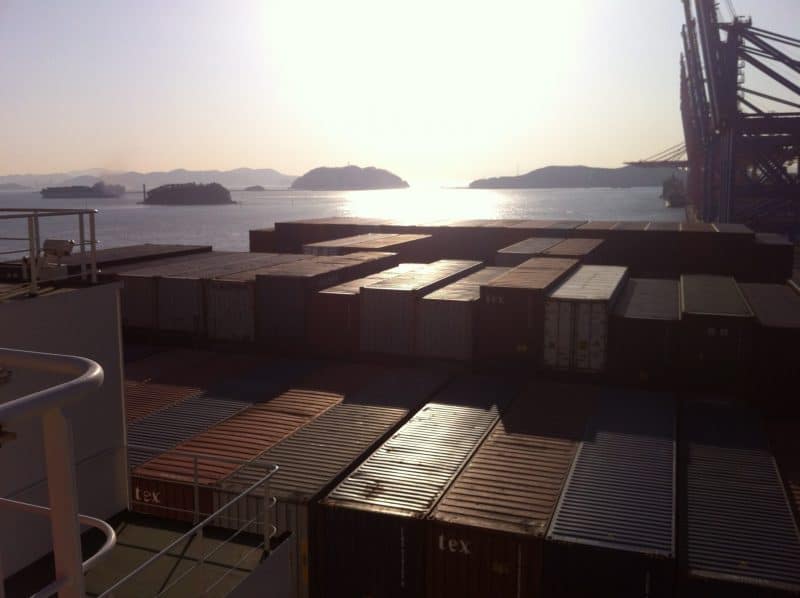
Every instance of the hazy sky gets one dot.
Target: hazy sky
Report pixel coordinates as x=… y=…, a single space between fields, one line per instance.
x=437 y=91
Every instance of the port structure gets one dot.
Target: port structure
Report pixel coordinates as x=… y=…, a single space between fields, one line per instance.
x=741 y=141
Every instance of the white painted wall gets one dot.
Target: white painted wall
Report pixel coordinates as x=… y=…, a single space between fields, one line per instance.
x=82 y=322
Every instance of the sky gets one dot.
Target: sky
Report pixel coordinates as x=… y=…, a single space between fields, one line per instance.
x=441 y=91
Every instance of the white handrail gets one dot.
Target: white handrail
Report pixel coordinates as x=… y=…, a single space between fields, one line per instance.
x=84 y=376
x=88 y=376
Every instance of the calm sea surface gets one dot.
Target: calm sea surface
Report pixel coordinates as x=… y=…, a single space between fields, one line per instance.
x=124 y=221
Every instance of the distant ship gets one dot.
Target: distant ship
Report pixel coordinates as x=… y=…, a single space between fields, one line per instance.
x=97 y=190
x=673 y=192
x=189 y=194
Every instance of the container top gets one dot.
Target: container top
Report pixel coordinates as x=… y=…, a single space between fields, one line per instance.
x=599 y=225
x=320 y=452
x=136 y=253
x=388 y=242
x=467 y=288
x=592 y=283
x=537 y=274
x=574 y=247
x=513 y=481
x=774 y=305
x=712 y=295
x=244 y=263
x=321 y=265
x=420 y=279
x=353 y=287
x=649 y=299
x=349 y=241
x=535 y=224
x=182 y=265
x=632 y=225
x=697 y=227
x=532 y=246
x=408 y=473
x=772 y=239
x=739 y=525
x=664 y=227
x=733 y=228
x=621 y=490
x=252 y=431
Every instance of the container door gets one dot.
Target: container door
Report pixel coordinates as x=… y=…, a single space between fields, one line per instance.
x=583 y=336
x=564 y=343
x=599 y=338
x=550 y=333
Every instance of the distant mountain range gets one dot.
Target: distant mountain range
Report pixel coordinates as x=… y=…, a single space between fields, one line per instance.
x=133 y=181
x=578 y=176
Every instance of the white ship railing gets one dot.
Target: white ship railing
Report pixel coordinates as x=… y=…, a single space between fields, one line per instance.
x=33 y=264
x=85 y=377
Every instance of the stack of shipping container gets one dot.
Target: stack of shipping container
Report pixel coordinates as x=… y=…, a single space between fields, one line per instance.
x=407 y=246
x=515 y=254
x=447 y=319
x=739 y=535
x=371 y=532
x=319 y=455
x=486 y=535
x=511 y=311
x=389 y=307
x=334 y=315
x=613 y=533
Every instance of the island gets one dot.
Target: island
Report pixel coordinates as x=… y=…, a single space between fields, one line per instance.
x=254 y=188
x=99 y=189
x=348 y=178
x=578 y=177
x=189 y=194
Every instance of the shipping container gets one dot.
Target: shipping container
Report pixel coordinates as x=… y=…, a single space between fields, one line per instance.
x=511 y=309
x=600 y=229
x=613 y=533
x=715 y=329
x=486 y=535
x=164 y=429
x=263 y=240
x=212 y=455
x=446 y=319
x=582 y=249
x=644 y=329
x=370 y=529
x=576 y=318
x=283 y=293
x=334 y=315
x=389 y=307
x=773 y=258
x=625 y=245
x=407 y=246
x=130 y=254
x=515 y=254
x=660 y=254
x=139 y=293
x=739 y=534
x=182 y=297
x=319 y=455
x=342 y=245
x=291 y=236
x=776 y=338
x=734 y=246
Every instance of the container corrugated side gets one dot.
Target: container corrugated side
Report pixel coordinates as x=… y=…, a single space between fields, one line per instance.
x=614 y=529
x=738 y=529
x=446 y=319
x=576 y=318
x=784 y=442
x=318 y=455
x=486 y=535
x=370 y=532
x=388 y=308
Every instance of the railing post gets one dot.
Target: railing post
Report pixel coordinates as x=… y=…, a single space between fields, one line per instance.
x=33 y=254
x=82 y=234
x=63 y=494
x=196 y=517
x=267 y=517
x=93 y=247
